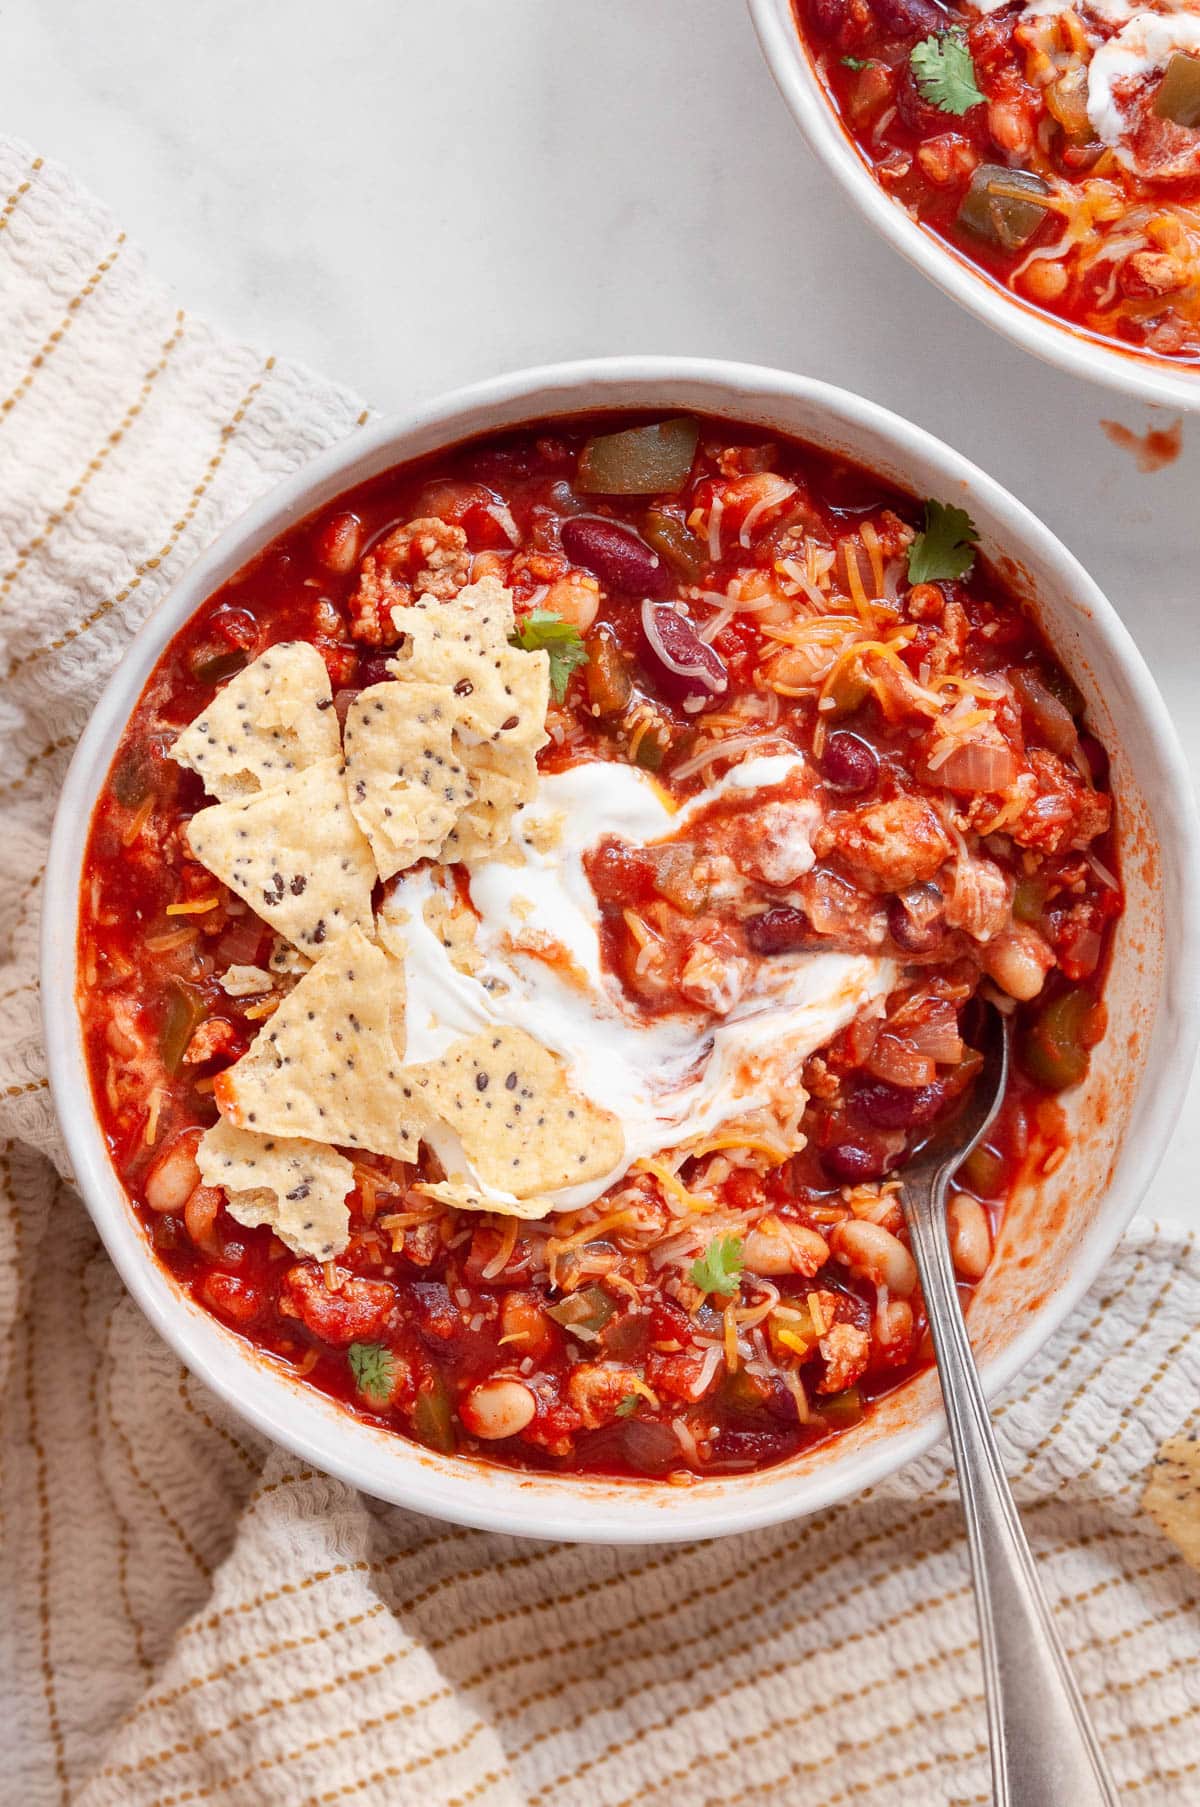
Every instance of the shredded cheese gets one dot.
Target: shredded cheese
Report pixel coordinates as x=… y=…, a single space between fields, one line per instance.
x=135 y=826
x=692 y=1201
x=731 y=1338
x=591 y=1232
x=508 y=1242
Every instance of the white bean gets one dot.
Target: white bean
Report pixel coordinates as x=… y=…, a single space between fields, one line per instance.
x=497 y=1408
x=970 y=1238
x=893 y=1326
x=174 y=1176
x=1018 y=960
x=775 y=1246
x=873 y=1253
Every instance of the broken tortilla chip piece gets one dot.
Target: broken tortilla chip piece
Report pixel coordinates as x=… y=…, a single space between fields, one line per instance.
x=1172 y=1495
x=296 y=1187
x=501 y=783
x=506 y=1103
x=500 y=693
x=468 y=1198
x=405 y=785
x=295 y=853
x=284 y=960
x=268 y=722
x=480 y=618
x=328 y=1064
x=455 y=924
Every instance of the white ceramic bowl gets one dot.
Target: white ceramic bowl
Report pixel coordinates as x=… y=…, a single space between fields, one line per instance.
x=1056 y=1238
x=1137 y=374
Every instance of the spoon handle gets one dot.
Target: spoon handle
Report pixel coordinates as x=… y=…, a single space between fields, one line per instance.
x=1044 y=1750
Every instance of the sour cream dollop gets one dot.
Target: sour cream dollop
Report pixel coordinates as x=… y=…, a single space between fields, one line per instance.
x=1138 y=49
x=668 y=1079
x=1145 y=42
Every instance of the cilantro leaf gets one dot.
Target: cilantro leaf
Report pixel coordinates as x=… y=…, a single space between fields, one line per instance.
x=945 y=73
x=374 y=1369
x=543 y=631
x=946 y=547
x=857 y=62
x=719 y=1269
x=627 y=1406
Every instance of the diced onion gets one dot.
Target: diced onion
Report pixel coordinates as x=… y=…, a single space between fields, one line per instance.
x=978 y=766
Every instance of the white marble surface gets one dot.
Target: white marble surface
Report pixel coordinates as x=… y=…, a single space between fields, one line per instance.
x=413 y=193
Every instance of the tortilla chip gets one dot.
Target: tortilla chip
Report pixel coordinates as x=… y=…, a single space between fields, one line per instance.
x=328 y=1065
x=272 y=720
x=500 y=693
x=285 y=961
x=295 y=853
x=480 y=618
x=296 y=1187
x=1172 y=1496
x=455 y=924
x=406 y=787
x=245 y=982
x=501 y=783
x=527 y=679
x=506 y=1103
x=468 y=1198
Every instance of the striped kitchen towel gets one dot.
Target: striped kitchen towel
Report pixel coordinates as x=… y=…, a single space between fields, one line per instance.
x=191 y=1616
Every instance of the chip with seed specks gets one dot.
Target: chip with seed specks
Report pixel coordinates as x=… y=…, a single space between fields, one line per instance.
x=329 y=1063
x=500 y=693
x=296 y=1187
x=1172 y=1496
x=507 y=1103
x=268 y=722
x=295 y=853
x=455 y=925
x=284 y=960
x=461 y=1197
x=405 y=785
x=501 y=782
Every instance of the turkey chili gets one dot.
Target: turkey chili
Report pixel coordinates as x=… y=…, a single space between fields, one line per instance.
x=1055 y=143
x=537 y=904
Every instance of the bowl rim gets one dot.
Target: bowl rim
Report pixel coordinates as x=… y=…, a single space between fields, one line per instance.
x=563 y=1507
x=1056 y=342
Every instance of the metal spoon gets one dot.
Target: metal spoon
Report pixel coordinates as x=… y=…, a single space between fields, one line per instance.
x=1044 y=1750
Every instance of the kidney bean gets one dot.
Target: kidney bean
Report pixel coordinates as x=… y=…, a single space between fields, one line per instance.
x=919 y=115
x=886 y=1106
x=916 y=919
x=686 y=668
x=908 y=18
x=848 y=763
x=617 y=555
x=853 y=1162
x=375 y=669
x=778 y=931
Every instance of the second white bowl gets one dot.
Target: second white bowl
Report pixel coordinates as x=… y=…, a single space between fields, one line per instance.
x=1136 y=374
